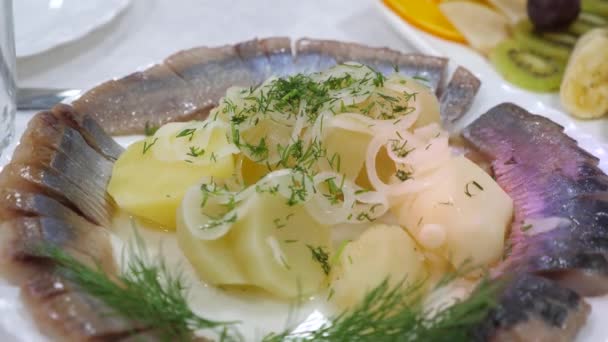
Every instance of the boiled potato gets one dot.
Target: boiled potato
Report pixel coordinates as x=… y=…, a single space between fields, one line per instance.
x=275 y=242
x=153 y=189
x=381 y=252
x=213 y=260
x=464 y=216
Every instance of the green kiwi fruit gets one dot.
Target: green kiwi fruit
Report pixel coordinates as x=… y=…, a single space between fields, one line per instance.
x=599 y=7
x=585 y=22
x=557 y=45
x=526 y=68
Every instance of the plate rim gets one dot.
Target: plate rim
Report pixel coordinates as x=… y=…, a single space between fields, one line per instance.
x=23 y=51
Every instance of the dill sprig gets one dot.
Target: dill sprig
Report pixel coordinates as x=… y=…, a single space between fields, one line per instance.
x=392 y=313
x=145 y=292
x=151 y=295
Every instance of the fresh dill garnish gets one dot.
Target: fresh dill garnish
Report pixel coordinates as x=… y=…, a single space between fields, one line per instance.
x=336 y=193
x=526 y=227
x=379 y=79
x=330 y=294
x=363 y=216
x=195 y=151
x=227 y=219
x=149 y=129
x=146 y=292
x=210 y=189
x=188 y=132
x=420 y=78
x=399 y=147
x=321 y=256
x=297 y=188
x=290 y=241
x=397 y=313
x=151 y=295
x=147 y=145
x=336 y=257
x=259 y=152
x=403 y=175
x=467 y=190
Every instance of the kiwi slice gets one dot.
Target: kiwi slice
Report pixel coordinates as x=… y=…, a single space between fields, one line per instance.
x=599 y=7
x=557 y=45
x=527 y=69
x=585 y=22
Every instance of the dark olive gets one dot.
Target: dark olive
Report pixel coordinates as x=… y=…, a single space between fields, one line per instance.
x=553 y=14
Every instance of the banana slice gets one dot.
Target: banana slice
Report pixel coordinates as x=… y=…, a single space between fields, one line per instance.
x=584 y=90
x=482 y=27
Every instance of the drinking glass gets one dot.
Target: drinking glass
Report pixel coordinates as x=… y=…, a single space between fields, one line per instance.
x=7 y=74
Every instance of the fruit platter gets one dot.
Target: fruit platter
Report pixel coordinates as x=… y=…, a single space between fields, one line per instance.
x=538 y=46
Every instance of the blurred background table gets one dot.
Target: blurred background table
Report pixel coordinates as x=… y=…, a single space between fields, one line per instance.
x=150 y=30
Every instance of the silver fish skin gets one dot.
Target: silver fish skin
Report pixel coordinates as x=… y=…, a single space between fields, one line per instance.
x=90 y=130
x=533 y=308
x=53 y=193
x=457 y=97
x=560 y=196
x=188 y=84
x=65 y=313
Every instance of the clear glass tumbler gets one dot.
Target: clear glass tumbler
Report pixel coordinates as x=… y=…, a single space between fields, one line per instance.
x=7 y=74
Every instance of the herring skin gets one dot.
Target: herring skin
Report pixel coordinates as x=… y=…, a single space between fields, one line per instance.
x=188 y=84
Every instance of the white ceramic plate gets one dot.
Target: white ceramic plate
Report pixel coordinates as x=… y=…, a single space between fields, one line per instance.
x=44 y=24
x=259 y=314
x=591 y=135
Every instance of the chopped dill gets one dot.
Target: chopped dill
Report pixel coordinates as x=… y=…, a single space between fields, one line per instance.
x=396 y=313
x=363 y=216
x=321 y=256
x=188 y=132
x=146 y=292
x=336 y=257
x=195 y=151
x=420 y=78
x=227 y=219
x=467 y=190
x=152 y=295
x=150 y=129
x=330 y=294
x=403 y=175
x=526 y=228
x=147 y=145
x=259 y=152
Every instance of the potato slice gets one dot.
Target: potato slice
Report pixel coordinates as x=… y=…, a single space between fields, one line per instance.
x=213 y=260
x=153 y=189
x=381 y=252
x=482 y=27
x=275 y=242
x=451 y=217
